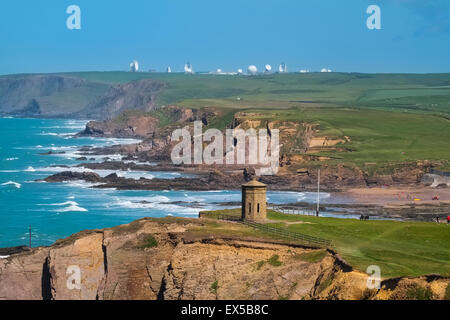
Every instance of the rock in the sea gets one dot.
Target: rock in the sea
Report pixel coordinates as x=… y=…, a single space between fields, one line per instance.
x=71 y=176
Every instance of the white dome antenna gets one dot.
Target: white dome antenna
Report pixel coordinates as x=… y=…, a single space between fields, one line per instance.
x=134 y=66
x=188 y=68
x=252 y=70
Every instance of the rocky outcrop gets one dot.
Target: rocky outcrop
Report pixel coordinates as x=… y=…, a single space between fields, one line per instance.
x=436 y=181
x=73 y=176
x=131 y=127
x=182 y=259
x=333 y=177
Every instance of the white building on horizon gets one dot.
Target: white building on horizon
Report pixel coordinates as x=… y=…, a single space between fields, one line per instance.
x=134 y=66
x=188 y=68
x=282 y=68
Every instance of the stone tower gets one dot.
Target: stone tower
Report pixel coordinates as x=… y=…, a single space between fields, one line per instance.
x=254 y=201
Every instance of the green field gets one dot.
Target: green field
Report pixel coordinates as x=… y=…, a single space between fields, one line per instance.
x=398 y=248
x=420 y=93
x=407 y=92
x=376 y=136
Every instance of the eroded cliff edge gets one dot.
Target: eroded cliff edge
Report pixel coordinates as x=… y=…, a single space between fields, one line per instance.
x=176 y=258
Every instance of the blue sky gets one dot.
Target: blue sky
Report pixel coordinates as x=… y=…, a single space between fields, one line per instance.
x=226 y=34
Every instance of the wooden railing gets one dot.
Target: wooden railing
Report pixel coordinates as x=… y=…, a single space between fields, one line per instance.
x=310 y=240
x=293 y=210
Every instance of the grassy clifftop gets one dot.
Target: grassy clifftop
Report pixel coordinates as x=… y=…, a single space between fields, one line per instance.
x=398 y=248
x=411 y=92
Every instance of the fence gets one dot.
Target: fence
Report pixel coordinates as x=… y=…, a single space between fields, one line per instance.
x=440 y=173
x=313 y=241
x=293 y=210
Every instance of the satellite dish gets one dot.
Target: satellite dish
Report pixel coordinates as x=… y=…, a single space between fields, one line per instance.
x=268 y=67
x=252 y=69
x=134 y=66
x=240 y=71
x=188 y=68
x=282 y=68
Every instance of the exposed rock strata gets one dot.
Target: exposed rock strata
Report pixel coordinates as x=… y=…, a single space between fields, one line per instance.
x=122 y=263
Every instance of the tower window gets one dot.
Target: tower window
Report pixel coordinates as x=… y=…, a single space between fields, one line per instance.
x=250 y=207
x=258 y=208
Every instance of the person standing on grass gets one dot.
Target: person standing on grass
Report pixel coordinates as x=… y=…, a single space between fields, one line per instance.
x=437 y=219
x=448 y=219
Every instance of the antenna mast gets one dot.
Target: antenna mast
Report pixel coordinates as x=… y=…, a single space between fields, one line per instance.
x=318 y=193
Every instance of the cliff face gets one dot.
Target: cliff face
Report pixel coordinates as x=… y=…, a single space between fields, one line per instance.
x=136 y=95
x=65 y=96
x=42 y=95
x=167 y=260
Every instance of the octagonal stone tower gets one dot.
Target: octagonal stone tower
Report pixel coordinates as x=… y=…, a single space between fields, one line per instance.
x=254 y=203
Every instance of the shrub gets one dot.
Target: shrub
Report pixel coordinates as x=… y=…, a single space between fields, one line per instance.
x=274 y=261
x=149 y=242
x=419 y=293
x=214 y=287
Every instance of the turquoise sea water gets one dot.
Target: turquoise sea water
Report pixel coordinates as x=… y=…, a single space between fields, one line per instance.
x=57 y=210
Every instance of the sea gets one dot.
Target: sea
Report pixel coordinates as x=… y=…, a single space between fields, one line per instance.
x=57 y=210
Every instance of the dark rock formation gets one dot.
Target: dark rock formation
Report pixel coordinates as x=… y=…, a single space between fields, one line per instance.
x=71 y=176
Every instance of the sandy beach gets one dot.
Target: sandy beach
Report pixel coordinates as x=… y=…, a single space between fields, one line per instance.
x=399 y=196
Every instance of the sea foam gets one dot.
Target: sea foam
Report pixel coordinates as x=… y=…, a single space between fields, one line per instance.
x=68 y=206
x=12 y=183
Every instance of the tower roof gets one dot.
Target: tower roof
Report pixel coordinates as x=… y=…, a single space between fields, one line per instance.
x=254 y=183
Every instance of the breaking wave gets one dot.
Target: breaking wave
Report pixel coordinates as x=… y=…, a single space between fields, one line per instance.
x=12 y=183
x=68 y=206
x=152 y=203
